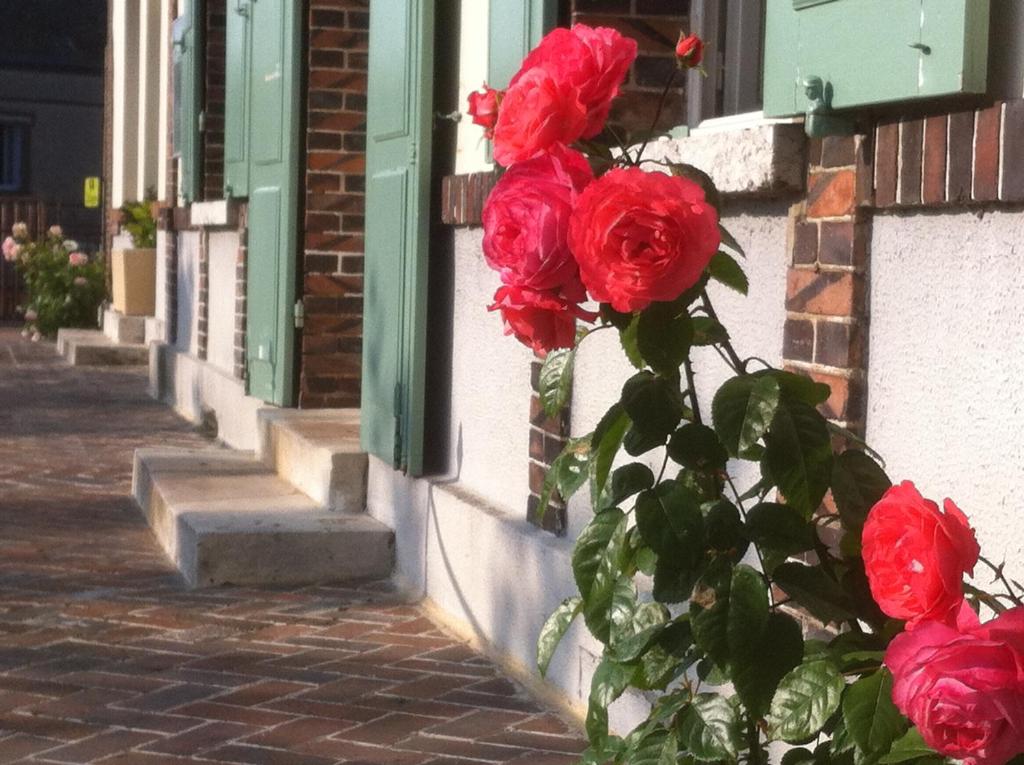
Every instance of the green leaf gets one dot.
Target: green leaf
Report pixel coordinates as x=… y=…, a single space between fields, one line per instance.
x=858 y=482
x=636 y=442
x=554 y=630
x=656 y=747
x=697 y=447
x=654 y=404
x=702 y=179
x=628 y=340
x=610 y=679
x=730 y=241
x=779 y=532
x=667 y=657
x=800 y=387
x=871 y=718
x=807 y=697
x=724 y=530
x=742 y=411
x=812 y=588
x=670 y=521
x=556 y=380
x=909 y=747
x=631 y=637
x=629 y=480
x=709 y=613
x=724 y=268
x=604 y=445
x=617 y=319
x=757 y=672
x=664 y=335
x=710 y=728
x=799 y=455
x=798 y=756
x=708 y=331
x=596 y=563
x=571 y=467
x=748 y=610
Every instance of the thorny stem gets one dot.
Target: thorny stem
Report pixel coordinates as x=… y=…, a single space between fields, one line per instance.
x=734 y=359
x=760 y=558
x=989 y=600
x=657 y=115
x=688 y=366
x=1001 y=576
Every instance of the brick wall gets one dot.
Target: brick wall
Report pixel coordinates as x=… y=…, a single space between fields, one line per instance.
x=332 y=263
x=213 y=100
x=655 y=25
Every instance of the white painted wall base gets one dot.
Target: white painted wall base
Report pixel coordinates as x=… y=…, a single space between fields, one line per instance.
x=493 y=577
x=193 y=387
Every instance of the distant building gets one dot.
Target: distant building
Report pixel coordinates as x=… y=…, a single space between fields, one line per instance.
x=51 y=106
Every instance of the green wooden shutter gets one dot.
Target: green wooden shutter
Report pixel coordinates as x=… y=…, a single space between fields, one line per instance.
x=187 y=75
x=238 y=61
x=274 y=172
x=873 y=51
x=515 y=27
x=398 y=174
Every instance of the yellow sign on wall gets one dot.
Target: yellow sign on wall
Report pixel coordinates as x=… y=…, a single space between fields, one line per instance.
x=92 y=192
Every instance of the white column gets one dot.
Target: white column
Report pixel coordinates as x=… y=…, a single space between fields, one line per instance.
x=126 y=105
x=149 y=97
x=164 y=116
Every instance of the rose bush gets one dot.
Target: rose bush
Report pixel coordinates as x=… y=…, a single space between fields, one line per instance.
x=65 y=286
x=704 y=593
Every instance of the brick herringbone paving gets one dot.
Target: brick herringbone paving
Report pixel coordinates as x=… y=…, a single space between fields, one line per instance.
x=106 y=657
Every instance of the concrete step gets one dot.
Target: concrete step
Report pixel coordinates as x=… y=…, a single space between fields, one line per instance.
x=318 y=452
x=224 y=517
x=119 y=328
x=90 y=347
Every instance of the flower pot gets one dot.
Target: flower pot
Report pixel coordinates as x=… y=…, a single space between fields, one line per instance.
x=134 y=281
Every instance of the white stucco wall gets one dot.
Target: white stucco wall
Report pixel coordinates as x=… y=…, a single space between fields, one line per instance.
x=490 y=397
x=188 y=291
x=220 y=348
x=944 y=385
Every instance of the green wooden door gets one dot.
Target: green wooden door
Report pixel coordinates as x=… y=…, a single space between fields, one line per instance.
x=399 y=124
x=273 y=197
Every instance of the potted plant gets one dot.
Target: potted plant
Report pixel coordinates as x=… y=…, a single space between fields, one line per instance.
x=134 y=270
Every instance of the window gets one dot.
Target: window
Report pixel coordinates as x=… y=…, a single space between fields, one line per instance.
x=734 y=33
x=13 y=153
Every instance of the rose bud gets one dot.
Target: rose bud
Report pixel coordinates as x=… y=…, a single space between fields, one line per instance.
x=689 y=51
x=483 y=108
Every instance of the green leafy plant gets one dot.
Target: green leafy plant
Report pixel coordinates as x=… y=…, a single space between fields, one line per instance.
x=140 y=223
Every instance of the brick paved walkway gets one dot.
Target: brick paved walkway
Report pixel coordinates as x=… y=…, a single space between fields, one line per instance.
x=105 y=657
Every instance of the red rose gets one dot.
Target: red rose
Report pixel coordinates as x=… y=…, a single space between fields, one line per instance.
x=483 y=108
x=593 y=61
x=916 y=556
x=641 y=237
x=689 y=51
x=537 y=113
x=964 y=687
x=526 y=222
x=543 y=320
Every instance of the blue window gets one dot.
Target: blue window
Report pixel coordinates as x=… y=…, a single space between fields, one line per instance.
x=13 y=153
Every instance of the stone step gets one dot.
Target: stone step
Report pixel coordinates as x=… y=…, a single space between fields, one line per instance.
x=318 y=452
x=224 y=517
x=119 y=328
x=90 y=347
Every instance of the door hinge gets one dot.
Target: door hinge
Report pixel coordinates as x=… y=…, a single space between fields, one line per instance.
x=399 y=454
x=299 y=314
x=412 y=152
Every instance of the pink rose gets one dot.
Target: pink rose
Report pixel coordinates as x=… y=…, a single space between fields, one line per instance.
x=78 y=258
x=916 y=556
x=483 y=108
x=542 y=320
x=594 y=61
x=963 y=686
x=9 y=248
x=56 y=232
x=641 y=237
x=537 y=113
x=526 y=222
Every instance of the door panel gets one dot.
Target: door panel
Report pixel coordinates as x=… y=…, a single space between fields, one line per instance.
x=399 y=125
x=236 y=110
x=273 y=198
